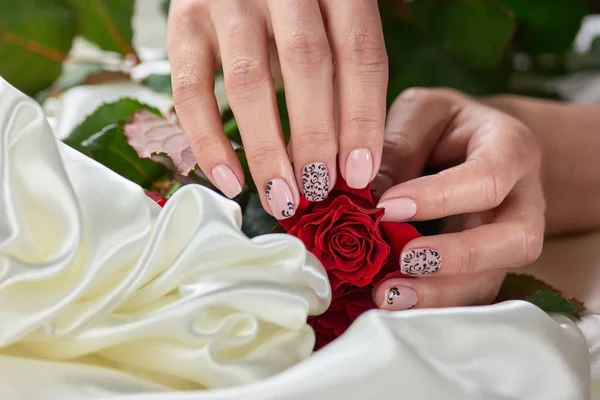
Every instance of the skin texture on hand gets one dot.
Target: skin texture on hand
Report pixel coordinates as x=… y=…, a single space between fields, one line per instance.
x=489 y=189
x=333 y=64
x=570 y=143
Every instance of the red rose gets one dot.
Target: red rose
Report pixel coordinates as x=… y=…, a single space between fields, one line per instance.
x=157 y=197
x=346 y=234
x=340 y=315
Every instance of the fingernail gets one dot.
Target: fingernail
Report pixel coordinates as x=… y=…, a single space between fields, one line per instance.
x=420 y=262
x=226 y=181
x=399 y=209
x=315 y=181
x=280 y=198
x=359 y=168
x=399 y=298
x=380 y=184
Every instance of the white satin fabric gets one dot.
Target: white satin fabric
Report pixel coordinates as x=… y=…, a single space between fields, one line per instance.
x=103 y=295
x=92 y=270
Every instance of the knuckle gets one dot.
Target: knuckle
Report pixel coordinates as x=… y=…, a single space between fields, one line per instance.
x=314 y=139
x=245 y=74
x=400 y=145
x=424 y=97
x=415 y=95
x=202 y=141
x=302 y=49
x=369 y=123
x=187 y=86
x=263 y=153
x=188 y=11
x=367 y=49
x=471 y=258
x=494 y=183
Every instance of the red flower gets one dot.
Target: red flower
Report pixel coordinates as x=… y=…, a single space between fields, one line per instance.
x=340 y=315
x=157 y=197
x=346 y=234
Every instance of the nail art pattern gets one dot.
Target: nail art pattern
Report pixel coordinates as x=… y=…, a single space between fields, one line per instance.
x=392 y=293
x=315 y=182
x=289 y=211
x=268 y=188
x=421 y=262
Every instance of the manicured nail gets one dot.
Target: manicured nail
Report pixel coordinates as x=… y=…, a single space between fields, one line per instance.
x=315 y=182
x=399 y=298
x=359 y=168
x=280 y=198
x=399 y=209
x=420 y=262
x=226 y=181
x=380 y=184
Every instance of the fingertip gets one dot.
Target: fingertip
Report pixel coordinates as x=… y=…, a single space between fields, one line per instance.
x=226 y=181
x=395 y=295
x=399 y=209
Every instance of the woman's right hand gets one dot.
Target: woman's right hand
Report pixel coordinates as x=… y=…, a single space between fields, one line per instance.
x=317 y=42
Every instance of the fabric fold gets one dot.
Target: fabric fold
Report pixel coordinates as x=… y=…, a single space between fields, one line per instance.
x=92 y=269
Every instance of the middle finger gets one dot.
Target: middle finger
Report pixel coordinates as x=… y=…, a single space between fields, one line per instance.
x=307 y=69
x=243 y=40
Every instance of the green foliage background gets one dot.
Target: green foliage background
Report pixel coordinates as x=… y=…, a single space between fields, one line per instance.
x=469 y=45
x=463 y=44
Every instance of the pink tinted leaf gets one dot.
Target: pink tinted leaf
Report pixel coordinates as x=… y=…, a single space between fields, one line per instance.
x=151 y=135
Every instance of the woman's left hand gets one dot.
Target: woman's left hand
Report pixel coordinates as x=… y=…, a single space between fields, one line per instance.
x=491 y=191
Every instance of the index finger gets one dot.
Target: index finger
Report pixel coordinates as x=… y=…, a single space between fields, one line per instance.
x=192 y=69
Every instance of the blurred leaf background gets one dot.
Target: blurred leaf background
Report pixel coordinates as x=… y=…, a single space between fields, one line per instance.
x=469 y=45
x=481 y=47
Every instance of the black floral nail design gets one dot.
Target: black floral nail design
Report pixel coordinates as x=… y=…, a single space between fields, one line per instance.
x=268 y=188
x=289 y=211
x=391 y=293
x=315 y=182
x=421 y=262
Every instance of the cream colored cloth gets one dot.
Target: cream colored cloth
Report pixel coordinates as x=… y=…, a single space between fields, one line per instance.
x=104 y=295
x=92 y=269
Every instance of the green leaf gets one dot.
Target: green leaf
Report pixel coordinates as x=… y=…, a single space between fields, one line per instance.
x=159 y=83
x=256 y=220
x=553 y=303
x=109 y=147
x=35 y=38
x=529 y=288
x=417 y=60
x=475 y=31
x=107 y=114
x=165 y=6
x=547 y=26
x=106 y=23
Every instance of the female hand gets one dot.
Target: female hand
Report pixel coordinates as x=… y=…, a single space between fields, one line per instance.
x=491 y=188
x=311 y=37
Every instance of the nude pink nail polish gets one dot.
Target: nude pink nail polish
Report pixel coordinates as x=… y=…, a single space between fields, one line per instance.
x=399 y=209
x=359 y=168
x=399 y=298
x=226 y=181
x=280 y=198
